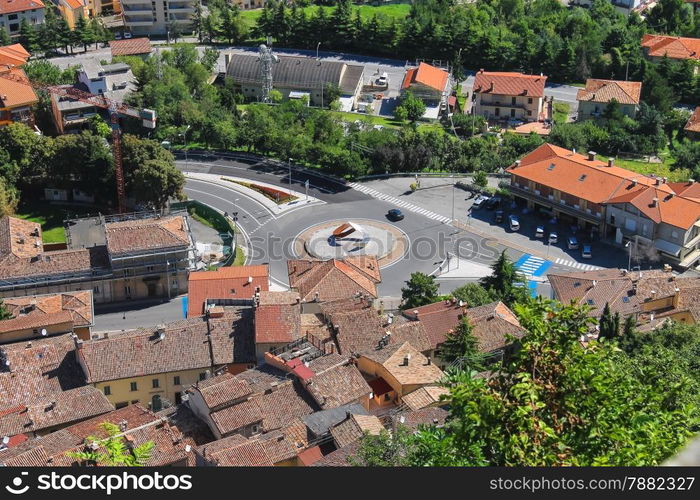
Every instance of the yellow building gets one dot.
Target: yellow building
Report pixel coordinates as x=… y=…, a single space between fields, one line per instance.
x=72 y=10
x=154 y=366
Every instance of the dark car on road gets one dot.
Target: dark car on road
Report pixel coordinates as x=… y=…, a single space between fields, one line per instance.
x=480 y=200
x=499 y=216
x=394 y=214
x=493 y=202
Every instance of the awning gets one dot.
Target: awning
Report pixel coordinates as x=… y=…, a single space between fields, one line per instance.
x=667 y=247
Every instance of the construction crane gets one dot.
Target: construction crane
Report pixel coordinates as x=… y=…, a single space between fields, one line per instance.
x=116 y=110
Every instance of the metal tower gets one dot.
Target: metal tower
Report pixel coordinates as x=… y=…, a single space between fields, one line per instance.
x=266 y=58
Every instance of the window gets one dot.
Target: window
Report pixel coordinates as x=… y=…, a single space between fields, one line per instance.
x=96 y=289
x=12 y=17
x=178 y=398
x=512 y=113
x=123 y=404
x=135 y=401
x=127 y=291
x=134 y=387
x=233 y=291
x=529 y=100
x=386 y=397
x=202 y=376
x=551 y=166
x=529 y=113
x=674 y=235
x=256 y=428
x=149 y=269
x=497 y=112
x=512 y=101
x=176 y=380
x=156 y=383
x=107 y=390
x=582 y=178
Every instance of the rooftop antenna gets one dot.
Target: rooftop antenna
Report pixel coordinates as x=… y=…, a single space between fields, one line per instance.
x=266 y=58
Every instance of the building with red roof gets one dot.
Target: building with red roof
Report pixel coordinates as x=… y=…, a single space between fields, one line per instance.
x=656 y=47
x=431 y=84
x=595 y=97
x=234 y=282
x=16 y=98
x=610 y=201
x=499 y=95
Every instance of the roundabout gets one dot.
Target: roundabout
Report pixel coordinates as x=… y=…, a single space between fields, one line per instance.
x=352 y=237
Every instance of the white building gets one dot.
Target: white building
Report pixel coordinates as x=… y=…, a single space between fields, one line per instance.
x=12 y=12
x=156 y=17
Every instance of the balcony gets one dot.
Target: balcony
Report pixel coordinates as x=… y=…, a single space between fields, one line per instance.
x=138 y=21
x=504 y=104
x=142 y=9
x=562 y=206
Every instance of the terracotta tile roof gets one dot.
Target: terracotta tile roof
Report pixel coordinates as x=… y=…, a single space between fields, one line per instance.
x=511 y=84
x=19 y=237
x=492 y=324
x=10 y=6
x=356 y=329
x=310 y=456
x=269 y=298
x=262 y=378
x=297 y=433
x=673 y=47
x=416 y=372
x=333 y=279
x=47 y=367
x=277 y=323
x=235 y=417
x=225 y=283
x=423 y=416
x=56 y=409
x=438 y=319
x=14 y=94
x=339 y=458
x=186 y=346
x=427 y=75
x=75 y=4
x=596 y=182
x=380 y=386
x=424 y=397
x=141 y=426
x=690 y=190
x=606 y=90
x=145 y=235
x=37 y=311
x=284 y=405
x=693 y=124
x=413 y=332
x=354 y=428
x=337 y=386
x=277 y=445
x=131 y=47
x=221 y=390
x=14 y=54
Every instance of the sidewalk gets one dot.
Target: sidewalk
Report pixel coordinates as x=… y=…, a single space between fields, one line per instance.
x=230 y=182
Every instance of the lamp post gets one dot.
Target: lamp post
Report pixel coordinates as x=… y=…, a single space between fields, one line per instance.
x=453 y=197
x=184 y=138
x=317 y=46
x=289 y=163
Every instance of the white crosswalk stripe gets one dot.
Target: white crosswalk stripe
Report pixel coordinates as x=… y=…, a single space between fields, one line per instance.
x=576 y=265
x=401 y=203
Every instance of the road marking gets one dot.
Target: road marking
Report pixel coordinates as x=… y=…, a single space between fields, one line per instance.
x=576 y=265
x=401 y=203
x=531 y=266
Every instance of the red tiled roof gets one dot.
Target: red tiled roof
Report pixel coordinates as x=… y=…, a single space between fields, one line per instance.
x=427 y=75
x=145 y=235
x=380 y=386
x=277 y=323
x=14 y=54
x=335 y=278
x=38 y=311
x=507 y=83
x=438 y=319
x=674 y=47
x=693 y=124
x=224 y=283
x=310 y=456
x=606 y=90
x=130 y=47
x=10 y=6
x=15 y=94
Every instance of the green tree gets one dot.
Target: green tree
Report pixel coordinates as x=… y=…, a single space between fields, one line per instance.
x=420 y=290
x=233 y=28
x=413 y=107
x=480 y=179
x=385 y=450
x=473 y=295
x=112 y=450
x=505 y=282
x=609 y=324
x=84 y=33
x=156 y=181
x=4 y=38
x=28 y=36
x=463 y=347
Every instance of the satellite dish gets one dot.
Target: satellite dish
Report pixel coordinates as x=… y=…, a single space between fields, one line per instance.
x=44 y=333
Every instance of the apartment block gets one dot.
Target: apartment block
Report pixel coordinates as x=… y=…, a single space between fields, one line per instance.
x=156 y=17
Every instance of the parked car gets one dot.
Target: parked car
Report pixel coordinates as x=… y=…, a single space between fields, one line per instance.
x=539 y=232
x=553 y=238
x=127 y=35
x=394 y=214
x=383 y=80
x=514 y=222
x=586 y=253
x=117 y=36
x=480 y=201
x=493 y=203
x=572 y=243
x=499 y=216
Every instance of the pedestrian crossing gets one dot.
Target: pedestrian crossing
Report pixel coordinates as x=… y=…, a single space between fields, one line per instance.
x=400 y=203
x=531 y=266
x=576 y=265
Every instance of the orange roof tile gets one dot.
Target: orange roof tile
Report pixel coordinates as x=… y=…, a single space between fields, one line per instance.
x=335 y=278
x=277 y=323
x=427 y=75
x=674 y=47
x=13 y=93
x=607 y=90
x=10 y=6
x=131 y=47
x=225 y=283
x=693 y=124
x=75 y=4
x=14 y=54
x=509 y=83
x=596 y=182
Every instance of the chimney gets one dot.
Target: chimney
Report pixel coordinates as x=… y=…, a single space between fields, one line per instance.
x=316 y=295
x=654 y=202
x=517 y=163
x=591 y=155
x=250 y=279
x=611 y=162
x=78 y=343
x=481 y=70
x=573 y=150
x=406 y=359
x=123 y=425
x=227 y=60
x=658 y=181
x=595 y=282
x=415 y=313
x=430 y=361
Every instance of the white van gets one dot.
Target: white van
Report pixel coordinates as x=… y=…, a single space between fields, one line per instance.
x=383 y=80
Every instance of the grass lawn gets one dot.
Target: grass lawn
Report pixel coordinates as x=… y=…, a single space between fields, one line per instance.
x=561 y=112
x=395 y=11
x=659 y=169
x=240 y=257
x=383 y=120
x=51 y=218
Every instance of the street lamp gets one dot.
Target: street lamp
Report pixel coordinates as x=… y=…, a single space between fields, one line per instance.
x=317 y=46
x=184 y=138
x=453 y=196
x=289 y=163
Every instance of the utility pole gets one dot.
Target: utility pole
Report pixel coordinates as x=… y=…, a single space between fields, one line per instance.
x=290 y=176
